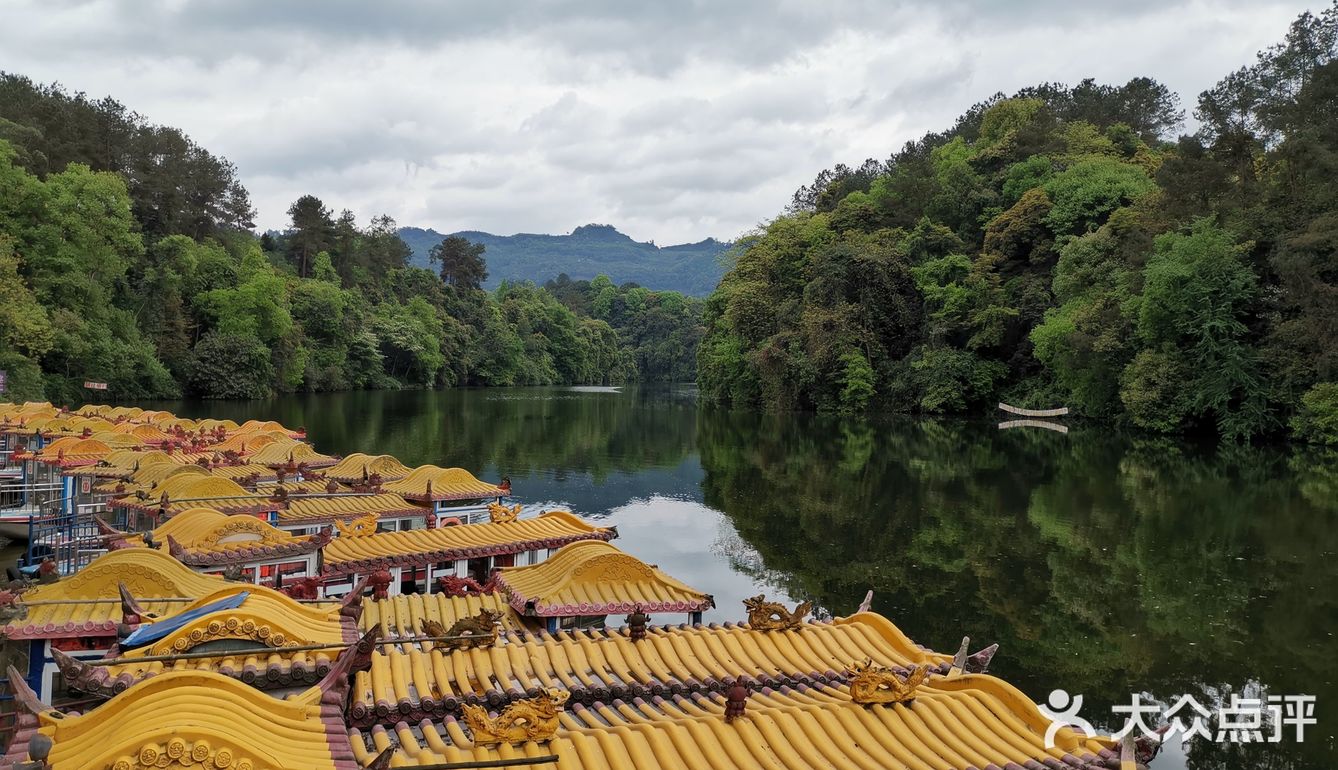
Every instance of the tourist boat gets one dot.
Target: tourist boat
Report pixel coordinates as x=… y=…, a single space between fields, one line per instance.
x=458 y=635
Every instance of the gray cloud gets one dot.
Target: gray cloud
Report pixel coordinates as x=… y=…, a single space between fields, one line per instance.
x=672 y=120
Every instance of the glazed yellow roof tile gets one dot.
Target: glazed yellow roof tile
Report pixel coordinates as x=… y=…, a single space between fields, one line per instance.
x=244 y=443
x=197 y=718
x=403 y=615
x=304 y=487
x=149 y=434
x=28 y=407
x=154 y=416
x=277 y=454
x=971 y=721
x=552 y=529
x=25 y=423
x=147 y=573
x=428 y=482
x=255 y=426
x=188 y=491
x=75 y=425
x=358 y=467
x=414 y=681
x=345 y=507
x=212 y=424
x=54 y=447
x=245 y=473
x=88 y=602
x=118 y=440
x=73 y=451
x=147 y=478
x=272 y=669
x=592 y=577
x=122 y=463
x=209 y=531
x=266 y=619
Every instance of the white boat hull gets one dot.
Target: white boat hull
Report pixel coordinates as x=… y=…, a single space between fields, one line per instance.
x=15 y=527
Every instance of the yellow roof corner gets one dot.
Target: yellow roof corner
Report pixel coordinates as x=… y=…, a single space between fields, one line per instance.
x=593 y=577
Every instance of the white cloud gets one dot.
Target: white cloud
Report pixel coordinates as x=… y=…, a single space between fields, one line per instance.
x=672 y=120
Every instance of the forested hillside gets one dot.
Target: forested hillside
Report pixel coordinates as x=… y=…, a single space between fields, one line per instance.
x=126 y=257
x=1065 y=247
x=589 y=251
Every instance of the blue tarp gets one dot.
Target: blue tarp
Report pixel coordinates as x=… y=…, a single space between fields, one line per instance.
x=152 y=632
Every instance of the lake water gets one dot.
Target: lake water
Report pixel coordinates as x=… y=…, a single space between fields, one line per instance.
x=1102 y=563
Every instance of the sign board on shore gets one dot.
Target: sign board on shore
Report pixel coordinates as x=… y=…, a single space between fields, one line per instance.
x=4 y=380
x=95 y=385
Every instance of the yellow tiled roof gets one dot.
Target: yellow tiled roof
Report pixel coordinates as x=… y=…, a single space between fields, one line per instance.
x=278 y=453
x=244 y=443
x=416 y=682
x=552 y=529
x=78 y=451
x=295 y=488
x=193 y=491
x=259 y=426
x=208 y=536
x=27 y=408
x=89 y=600
x=194 y=719
x=358 y=466
x=154 y=416
x=76 y=425
x=121 y=463
x=117 y=440
x=211 y=424
x=265 y=618
x=972 y=721
x=403 y=615
x=150 y=476
x=241 y=473
x=347 y=507
x=185 y=423
x=88 y=603
x=592 y=577
x=148 y=433
x=428 y=482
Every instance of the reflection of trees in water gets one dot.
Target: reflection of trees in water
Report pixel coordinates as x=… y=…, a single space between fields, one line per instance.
x=1100 y=563
x=745 y=560
x=517 y=431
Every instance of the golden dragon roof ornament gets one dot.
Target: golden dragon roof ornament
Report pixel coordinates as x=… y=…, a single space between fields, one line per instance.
x=532 y=719
x=871 y=683
x=772 y=616
x=501 y=514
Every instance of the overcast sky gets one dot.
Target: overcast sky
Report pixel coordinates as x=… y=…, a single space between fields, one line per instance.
x=673 y=121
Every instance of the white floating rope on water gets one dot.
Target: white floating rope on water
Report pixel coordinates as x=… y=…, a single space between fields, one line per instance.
x=1060 y=412
x=1054 y=426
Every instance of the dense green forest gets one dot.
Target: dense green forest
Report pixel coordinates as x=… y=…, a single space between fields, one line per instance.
x=127 y=257
x=1062 y=247
x=586 y=253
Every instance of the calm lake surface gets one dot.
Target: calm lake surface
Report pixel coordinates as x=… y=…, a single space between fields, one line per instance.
x=1102 y=563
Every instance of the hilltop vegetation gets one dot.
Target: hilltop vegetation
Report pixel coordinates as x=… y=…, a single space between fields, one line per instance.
x=1061 y=247
x=587 y=252
x=126 y=257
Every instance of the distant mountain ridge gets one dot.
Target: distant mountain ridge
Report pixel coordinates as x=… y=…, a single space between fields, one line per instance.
x=691 y=268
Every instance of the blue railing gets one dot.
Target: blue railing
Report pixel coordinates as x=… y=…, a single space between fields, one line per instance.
x=70 y=538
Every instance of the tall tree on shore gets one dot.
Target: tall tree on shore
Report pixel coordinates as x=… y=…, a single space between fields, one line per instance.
x=461 y=261
x=313 y=232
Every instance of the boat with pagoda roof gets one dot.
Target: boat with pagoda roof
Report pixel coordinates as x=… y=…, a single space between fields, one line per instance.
x=224 y=595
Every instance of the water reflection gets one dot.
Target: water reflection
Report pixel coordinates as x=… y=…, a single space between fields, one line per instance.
x=1107 y=564
x=1103 y=563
